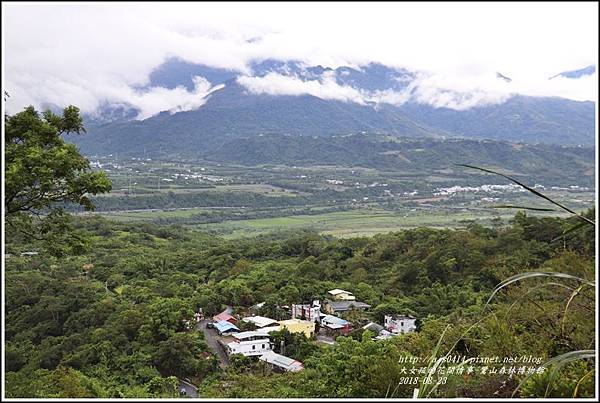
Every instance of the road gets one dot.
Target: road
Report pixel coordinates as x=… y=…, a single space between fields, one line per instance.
x=210 y=335
x=190 y=390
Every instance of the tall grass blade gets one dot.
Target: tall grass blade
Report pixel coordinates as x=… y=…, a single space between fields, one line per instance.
x=559 y=361
x=525 y=208
x=424 y=387
x=532 y=190
x=581 y=380
x=527 y=275
x=529 y=291
x=570 y=230
x=573 y=295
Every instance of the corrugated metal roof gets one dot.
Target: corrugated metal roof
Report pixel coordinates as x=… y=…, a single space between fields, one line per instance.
x=224 y=326
x=375 y=327
x=223 y=316
x=347 y=305
x=335 y=320
x=260 y=321
x=338 y=291
x=289 y=364
x=247 y=335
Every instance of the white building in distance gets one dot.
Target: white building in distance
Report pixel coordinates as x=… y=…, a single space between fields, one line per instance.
x=250 y=343
x=399 y=323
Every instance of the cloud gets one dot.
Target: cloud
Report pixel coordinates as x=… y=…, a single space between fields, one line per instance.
x=426 y=89
x=158 y=99
x=325 y=88
x=87 y=54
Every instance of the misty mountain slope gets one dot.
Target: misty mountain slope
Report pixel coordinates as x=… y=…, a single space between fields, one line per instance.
x=236 y=112
x=232 y=112
x=520 y=118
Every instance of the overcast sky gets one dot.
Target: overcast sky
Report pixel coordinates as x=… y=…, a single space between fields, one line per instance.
x=85 y=54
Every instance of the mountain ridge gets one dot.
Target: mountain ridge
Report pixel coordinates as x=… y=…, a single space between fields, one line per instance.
x=234 y=111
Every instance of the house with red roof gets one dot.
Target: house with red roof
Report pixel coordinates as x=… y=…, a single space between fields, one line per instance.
x=225 y=316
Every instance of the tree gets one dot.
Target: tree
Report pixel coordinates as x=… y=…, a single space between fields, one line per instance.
x=42 y=171
x=177 y=355
x=163 y=387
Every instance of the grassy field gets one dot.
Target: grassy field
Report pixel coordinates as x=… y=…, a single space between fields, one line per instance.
x=366 y=201
x=149 y=215
x=363 y=222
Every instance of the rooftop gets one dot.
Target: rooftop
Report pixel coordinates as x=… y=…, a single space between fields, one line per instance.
x=334 y=320
x=224 y=326
x=282 y=361
x=338 y=291
x=250 y=334
x=223 y=316
x=290 y=322
x=260 y=321
x=402 y=316
x=374 y=327
x=347 y=305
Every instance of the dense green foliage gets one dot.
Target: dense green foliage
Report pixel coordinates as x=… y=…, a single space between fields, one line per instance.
x=109 y=319
x=407 y=155
x=42 y=171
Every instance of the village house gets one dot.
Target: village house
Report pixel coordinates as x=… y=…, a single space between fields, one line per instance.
x=281 y=363
x=400 y=323
x=310 y=312
x=260 y=321
x=250 y=344
x=225 y=316
x=378 y=331
x=337 y=307
x=335 y=325
x=341 y=295
x=299 y=326
x=225 y=327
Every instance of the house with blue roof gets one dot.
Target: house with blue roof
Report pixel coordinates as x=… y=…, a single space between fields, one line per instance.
x=225 y=327
x=335 y=324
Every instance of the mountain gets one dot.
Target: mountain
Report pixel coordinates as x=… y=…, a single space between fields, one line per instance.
x=234 y=111
x=523 y=119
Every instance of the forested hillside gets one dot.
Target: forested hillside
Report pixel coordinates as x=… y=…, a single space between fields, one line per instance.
x=107 y=318
x=97 y=308
x=263 y=201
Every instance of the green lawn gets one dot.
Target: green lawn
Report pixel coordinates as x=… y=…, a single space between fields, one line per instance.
x=362 y=222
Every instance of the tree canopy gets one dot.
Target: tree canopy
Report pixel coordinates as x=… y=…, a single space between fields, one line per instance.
x=43 y=172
